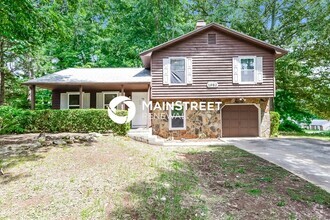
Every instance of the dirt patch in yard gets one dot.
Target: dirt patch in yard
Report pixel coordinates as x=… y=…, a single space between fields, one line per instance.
x=239 y=185
x=118 y=178
x=75 y=181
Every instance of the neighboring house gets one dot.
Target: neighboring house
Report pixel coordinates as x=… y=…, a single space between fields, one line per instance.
x=211 y=63
x=317 y=124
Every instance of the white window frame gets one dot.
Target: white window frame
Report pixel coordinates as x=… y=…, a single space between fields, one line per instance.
x=170 y=120
x=185 y=71
x=74 y=93
x=106 y=93
x=254 y=70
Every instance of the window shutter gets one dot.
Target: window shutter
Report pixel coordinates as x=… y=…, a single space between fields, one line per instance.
x=259 y=70
x=99 y=100
x=236 y=69
x=64 y=101
x=86 y=100
x=189 y=71
x=166 y=71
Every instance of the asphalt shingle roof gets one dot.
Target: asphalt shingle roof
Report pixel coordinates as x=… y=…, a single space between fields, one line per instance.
x=320 y=122
x=95 y=75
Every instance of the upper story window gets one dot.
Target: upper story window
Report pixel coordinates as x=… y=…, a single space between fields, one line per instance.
x=178 y=71
x=247 y=70
x=74 y=100
x=247 y=74
x=211 y=38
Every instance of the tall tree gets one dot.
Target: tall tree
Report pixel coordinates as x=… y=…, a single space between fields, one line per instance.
x=300 y=26
x=113 y=34
x=24 y=25
x=105 y=33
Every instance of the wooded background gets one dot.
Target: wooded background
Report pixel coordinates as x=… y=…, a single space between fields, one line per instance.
x=39 y=37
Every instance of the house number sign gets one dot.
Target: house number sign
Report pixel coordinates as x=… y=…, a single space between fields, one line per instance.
x=212 y=84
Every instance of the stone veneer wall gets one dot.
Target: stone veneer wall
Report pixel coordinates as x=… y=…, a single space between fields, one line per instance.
x=206 y=124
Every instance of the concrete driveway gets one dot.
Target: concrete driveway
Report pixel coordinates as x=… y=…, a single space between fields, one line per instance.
x=307 y=158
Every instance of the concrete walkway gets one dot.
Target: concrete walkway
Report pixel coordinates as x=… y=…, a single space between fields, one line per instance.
x=307 y=158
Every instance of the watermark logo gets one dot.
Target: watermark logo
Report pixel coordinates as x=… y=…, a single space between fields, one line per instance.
x=157 y=110
x=112 y=109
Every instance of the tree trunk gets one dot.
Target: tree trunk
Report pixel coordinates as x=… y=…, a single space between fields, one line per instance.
x=2 y=86
x=31 y=76
x=2 y=73
x=272 y=104
x=157 y=21
x=273 y=16
x=272 y=21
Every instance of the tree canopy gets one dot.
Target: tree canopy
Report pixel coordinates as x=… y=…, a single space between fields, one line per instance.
x=40 y=37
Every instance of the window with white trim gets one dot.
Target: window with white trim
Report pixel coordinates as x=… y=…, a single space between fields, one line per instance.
x=177 y=118
x=107 y=97
x=248 y=69
x=178 y=71
x=73 y=100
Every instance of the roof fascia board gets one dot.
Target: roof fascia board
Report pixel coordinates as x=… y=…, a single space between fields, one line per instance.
x=221 y=28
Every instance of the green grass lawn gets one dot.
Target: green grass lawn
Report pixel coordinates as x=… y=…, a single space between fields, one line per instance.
x=118 y=178
x=322 y=135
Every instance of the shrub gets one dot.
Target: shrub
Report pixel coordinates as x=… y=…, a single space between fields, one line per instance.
x=79 y=120
x=12 y=120
x=274 y=123
x=324 y=134
x=288 y=125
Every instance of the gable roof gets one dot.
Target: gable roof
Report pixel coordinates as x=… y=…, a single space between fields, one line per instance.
x=319 y=122
x=75 y=76
x=146 y=55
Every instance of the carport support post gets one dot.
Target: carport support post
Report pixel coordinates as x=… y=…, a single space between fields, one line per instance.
x=122 y=94
x=81 y=97
x=33 y=96
x=148 y=115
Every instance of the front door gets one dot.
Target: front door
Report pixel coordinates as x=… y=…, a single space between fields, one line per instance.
x=141 y=117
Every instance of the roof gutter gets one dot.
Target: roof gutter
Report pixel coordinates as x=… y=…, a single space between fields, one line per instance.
x=79 y=83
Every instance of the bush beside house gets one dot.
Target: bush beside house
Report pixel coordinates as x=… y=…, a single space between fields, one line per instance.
x=290 y=126
x=274 y=123
x=14 y=120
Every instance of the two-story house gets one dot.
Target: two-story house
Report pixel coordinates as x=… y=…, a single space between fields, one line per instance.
x=209 y=64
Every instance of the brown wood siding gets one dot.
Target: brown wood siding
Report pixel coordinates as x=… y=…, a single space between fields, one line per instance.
x=56 y=96
x=212 y=62
x=56 y=99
